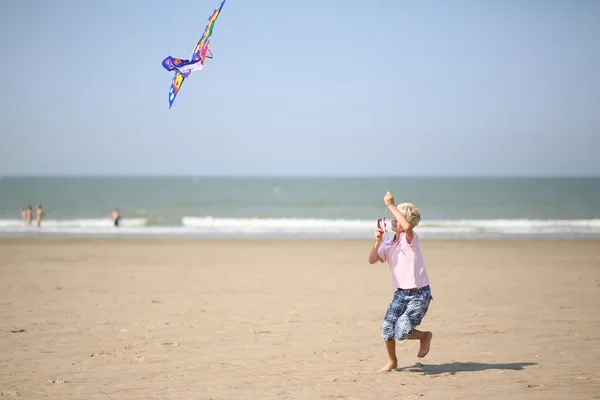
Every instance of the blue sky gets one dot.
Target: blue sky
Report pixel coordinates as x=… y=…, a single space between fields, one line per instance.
x=466 y=87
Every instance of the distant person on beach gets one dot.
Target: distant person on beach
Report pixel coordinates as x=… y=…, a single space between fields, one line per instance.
x=116 y=216
x=28 y=214
x=24 y=214
x=408 y=278
x=39 y=214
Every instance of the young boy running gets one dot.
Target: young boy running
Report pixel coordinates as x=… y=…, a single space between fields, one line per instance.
x=408 y=277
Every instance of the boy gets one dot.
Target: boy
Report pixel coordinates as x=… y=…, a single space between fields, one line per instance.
x=408 y=277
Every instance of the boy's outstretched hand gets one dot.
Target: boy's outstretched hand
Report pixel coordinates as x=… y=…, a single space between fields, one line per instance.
x=388 y=199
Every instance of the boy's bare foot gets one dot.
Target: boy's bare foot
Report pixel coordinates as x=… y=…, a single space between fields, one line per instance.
x=390 y=366
x=425 y=344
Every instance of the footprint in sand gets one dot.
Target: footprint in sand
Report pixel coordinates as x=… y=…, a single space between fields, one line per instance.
x=292 y=317
x=105 y=353
x=259 y=331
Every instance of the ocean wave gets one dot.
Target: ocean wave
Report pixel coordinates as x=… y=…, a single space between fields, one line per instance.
x=274 y=225
x=304 y=227
x=315 y=225
x=521 y=226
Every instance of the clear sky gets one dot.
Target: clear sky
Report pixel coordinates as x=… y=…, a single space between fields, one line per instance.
x=466 y=87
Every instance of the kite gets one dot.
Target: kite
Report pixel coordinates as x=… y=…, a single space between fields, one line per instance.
x=183 y=68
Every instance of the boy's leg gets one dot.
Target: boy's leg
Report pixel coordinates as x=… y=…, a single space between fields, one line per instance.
x=406 y=325
x=390 y=347
x=425 y=338
x=388 y=327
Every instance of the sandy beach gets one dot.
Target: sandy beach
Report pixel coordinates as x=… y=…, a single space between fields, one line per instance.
x=293 y=319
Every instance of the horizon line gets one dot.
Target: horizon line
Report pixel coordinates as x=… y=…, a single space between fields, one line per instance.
x=312 y=176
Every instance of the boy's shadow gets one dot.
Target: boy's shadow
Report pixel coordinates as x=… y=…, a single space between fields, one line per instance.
x=453 y=368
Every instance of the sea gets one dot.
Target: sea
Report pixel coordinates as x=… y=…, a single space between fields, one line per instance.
x=300 y=207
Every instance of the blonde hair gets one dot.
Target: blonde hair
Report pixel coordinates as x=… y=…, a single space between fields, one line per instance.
x=411 y=212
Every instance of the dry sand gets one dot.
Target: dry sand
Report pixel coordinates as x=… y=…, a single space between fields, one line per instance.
x=293 y=319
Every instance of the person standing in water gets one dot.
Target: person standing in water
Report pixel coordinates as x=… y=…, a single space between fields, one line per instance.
x=24 y=214
x=39 y=214
x=28 y=214
x=116 y=216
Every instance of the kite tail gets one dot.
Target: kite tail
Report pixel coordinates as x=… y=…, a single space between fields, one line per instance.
x=178 y=79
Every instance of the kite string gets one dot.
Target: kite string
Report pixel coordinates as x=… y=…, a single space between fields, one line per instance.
x=385 y=220
x=385 y=216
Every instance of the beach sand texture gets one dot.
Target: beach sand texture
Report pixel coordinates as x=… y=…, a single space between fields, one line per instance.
x=293 y=319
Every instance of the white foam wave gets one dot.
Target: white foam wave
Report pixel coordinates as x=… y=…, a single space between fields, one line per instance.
x=522 y=226
x=300 y=227
x=319 y=226
x=276 y=225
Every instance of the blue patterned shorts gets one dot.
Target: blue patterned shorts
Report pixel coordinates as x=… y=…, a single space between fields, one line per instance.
x=405 y=312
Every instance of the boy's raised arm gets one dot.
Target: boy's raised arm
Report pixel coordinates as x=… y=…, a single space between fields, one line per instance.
x=402 y=221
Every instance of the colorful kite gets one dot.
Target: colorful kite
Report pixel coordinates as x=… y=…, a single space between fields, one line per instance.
x=183 y=68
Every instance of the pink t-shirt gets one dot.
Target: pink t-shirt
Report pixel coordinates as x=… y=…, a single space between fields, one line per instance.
x=407 y=267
